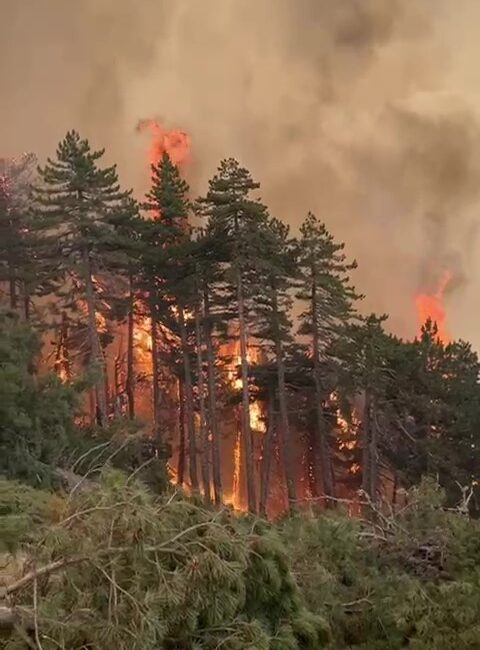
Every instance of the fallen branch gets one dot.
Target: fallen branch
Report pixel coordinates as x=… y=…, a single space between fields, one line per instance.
x=42 y=571
x=52 y=567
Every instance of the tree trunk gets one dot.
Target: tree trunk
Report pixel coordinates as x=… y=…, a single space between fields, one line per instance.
x=212 y=403
x=130 y=383
x=62 y=362
x=117 y=384
x=267 y=454
x=394 y=490
x=366 y=444
x=369 y=455
x=205 y=465
x=246 y=428
x=181 y=445
x=155 y=376
x=187 y=371
x=286 y=439
x=13 y=291
x=96 y=354
x=374 y=454
x=26 y=306
x=323 y=447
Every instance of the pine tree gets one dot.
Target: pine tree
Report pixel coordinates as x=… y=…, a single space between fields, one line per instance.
x=234 y=220
x=205 y=456
x=272 y=281
x=434 y=412
x=36 y=413
x=330 y=300
x=211 y=305
x=124 y=249
x=365 y=353
x=77 y=199
x=170 y=277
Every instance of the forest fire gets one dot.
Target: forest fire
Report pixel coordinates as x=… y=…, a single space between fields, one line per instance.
x=174 y=142
x=430 y=307
x=212 y=399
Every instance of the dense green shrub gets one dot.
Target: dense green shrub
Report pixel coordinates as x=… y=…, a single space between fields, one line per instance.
x=162 y=572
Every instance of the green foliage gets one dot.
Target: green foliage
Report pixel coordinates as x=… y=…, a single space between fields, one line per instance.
x=325 y=285
x=22 y=508
x=36 y=412
x=410 y=580
x=164 y=573
x=136 y=571
x=81 y=218
x=121 y=445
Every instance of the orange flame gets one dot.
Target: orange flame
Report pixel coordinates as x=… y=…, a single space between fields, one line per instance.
x=430 y=306
x=176 y=143
x=237 y=465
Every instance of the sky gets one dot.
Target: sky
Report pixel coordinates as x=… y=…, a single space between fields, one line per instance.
x=366 y=112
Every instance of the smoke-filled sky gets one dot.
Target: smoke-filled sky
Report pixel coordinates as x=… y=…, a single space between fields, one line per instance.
x=366 y=112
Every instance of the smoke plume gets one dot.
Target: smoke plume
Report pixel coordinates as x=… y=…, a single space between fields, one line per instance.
x=364 y=111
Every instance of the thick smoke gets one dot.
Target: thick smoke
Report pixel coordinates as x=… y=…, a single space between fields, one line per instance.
x=364 y=111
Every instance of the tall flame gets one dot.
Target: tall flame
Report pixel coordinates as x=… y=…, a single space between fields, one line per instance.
x=175 y=142
x=430 y=306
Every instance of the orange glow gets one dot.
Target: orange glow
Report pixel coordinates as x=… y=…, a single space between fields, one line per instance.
x=142 y=336
x=430 y=306
x=235 y=498
x=257 y=423
x=101 y=322
x=175 y=142
x=256 y=414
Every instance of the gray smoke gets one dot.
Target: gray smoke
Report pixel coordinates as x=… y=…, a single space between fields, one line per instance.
x=364 y=111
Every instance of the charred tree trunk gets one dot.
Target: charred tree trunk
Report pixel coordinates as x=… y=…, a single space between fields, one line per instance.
x=130 y=382
x=246 y=428
x=181 y=427
x=370 y=451
x=212 y=402
x=205 y=465
x=286 y=439
x=155 y=376
x=96 y=354
x=267 y=454
x=189 y=412
x=323 y=446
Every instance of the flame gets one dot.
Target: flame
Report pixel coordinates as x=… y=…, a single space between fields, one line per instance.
x=175 y=142
x=101 y=322
x=142 y=336
x=429 y=306
x=235 y=498
x=257 y=422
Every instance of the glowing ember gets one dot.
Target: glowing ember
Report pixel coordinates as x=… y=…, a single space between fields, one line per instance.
x=430 y=307
x=176 y=143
